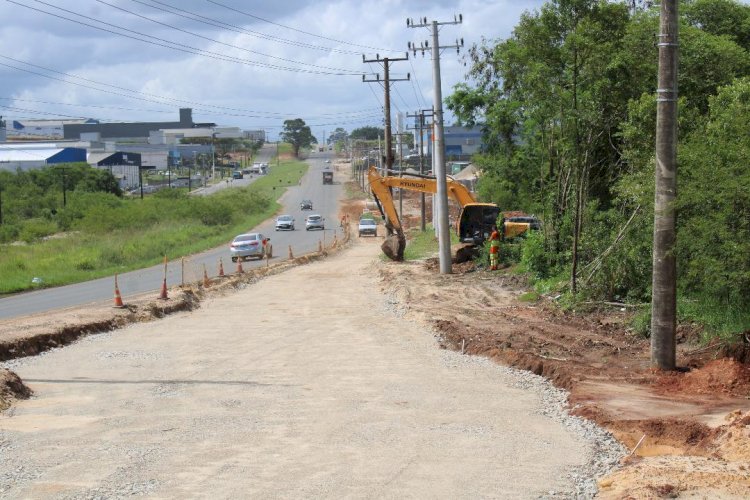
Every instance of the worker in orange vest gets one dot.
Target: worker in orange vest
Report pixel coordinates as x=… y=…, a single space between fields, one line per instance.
x=494 y=248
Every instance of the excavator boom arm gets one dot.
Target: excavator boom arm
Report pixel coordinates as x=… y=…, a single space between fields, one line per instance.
x=456 y=190
x=384 y=199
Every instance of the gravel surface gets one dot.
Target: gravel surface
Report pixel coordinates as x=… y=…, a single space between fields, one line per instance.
x=604 y=451
x=306 y=384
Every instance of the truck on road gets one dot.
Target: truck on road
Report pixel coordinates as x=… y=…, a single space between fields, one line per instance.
x=327 y=177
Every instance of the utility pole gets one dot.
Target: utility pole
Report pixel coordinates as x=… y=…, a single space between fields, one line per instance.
x=664 y=278
x=387 y=86
x=419 y=124
x=438 y=150
x=64 y=190
x=399 y=136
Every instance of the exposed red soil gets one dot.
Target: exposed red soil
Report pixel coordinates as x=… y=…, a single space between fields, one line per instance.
x=700 y=413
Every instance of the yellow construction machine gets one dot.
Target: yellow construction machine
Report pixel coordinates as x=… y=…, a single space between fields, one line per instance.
x=473 y=226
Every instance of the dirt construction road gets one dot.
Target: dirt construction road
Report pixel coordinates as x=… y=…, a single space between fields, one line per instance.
x=306 y=384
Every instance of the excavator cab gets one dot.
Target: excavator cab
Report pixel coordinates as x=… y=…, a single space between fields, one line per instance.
x=475 y=222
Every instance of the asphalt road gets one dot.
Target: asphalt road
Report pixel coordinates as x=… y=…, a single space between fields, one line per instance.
x=325 y=202
x=264 y=156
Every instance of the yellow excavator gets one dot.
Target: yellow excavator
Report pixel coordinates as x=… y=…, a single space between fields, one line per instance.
x=474 y=224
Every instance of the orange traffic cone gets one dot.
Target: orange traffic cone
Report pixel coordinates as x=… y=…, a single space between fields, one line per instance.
x=291 y=255
x=118 y=297
x=239 y=265
x=221 y=269
x=163 y=294
x=206 y=283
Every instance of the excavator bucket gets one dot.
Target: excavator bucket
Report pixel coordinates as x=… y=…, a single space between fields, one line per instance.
x=393 y=246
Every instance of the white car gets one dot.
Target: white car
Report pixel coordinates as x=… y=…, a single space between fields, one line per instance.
x=314 y=222
x=248 y=245
x=285 y=222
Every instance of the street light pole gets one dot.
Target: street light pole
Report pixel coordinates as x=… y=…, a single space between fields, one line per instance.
x=140 y=180
x=190 y=173
x=213 y=156
x=65 y=197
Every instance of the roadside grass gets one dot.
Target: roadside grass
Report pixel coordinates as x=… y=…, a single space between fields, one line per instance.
x=354 y=192
x=423 y=244
x=132 y=234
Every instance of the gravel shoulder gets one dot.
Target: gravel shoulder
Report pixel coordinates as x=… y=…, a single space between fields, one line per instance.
x=306 y=384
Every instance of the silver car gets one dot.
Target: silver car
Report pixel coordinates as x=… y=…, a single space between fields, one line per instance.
x=285 y=222
x=314 y=222
x=248 y=245
x=368 y=226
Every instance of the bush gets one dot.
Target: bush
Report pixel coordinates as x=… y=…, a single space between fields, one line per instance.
x=534 y=256
x=36 y=229
x=9 y=233
x=510 y=253
x=641 y=323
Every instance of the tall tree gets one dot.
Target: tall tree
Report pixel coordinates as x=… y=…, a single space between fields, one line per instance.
x=297 y=134
x=366 y=133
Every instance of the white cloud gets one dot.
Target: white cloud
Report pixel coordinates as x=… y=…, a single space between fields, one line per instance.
x=259 y=97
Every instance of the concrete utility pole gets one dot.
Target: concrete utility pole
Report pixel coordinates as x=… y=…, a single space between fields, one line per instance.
x=387 y=86
x=420 y=123
x=438 y=150
x=664 y=278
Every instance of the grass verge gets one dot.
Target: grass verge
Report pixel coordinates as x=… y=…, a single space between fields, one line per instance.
x=131 y=234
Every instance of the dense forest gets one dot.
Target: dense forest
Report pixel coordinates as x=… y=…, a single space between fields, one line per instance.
x=568 y=108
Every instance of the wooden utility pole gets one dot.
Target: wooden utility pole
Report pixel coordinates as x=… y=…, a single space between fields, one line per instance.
x=664 y=278
x=387 y=86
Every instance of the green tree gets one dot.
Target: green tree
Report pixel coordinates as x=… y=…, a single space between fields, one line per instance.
x=297 y=134
x=714 y=202
x=721 y=17
x=366 y=133
x=568 y=112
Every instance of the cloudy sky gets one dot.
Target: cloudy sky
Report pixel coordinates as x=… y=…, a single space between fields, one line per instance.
x=244 y=63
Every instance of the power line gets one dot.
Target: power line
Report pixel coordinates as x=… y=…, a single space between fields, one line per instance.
x=170 y=45
x=364 y=113
x=421 y=94
x=297 y=30
x=151 y=98
x=176 y=28
x=237 y=29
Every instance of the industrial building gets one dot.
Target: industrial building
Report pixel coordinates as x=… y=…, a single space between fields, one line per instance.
x=132 y=130
x=43 y=129
x=25 y=156
x=460 y=142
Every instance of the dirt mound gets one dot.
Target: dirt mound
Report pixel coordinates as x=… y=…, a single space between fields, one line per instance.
x=720 y=376
x=11 y=387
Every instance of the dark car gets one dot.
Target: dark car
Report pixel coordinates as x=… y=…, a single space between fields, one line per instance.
x=306 y=205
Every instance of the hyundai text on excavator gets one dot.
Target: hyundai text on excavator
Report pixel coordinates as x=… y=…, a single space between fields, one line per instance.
x=474 y=224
